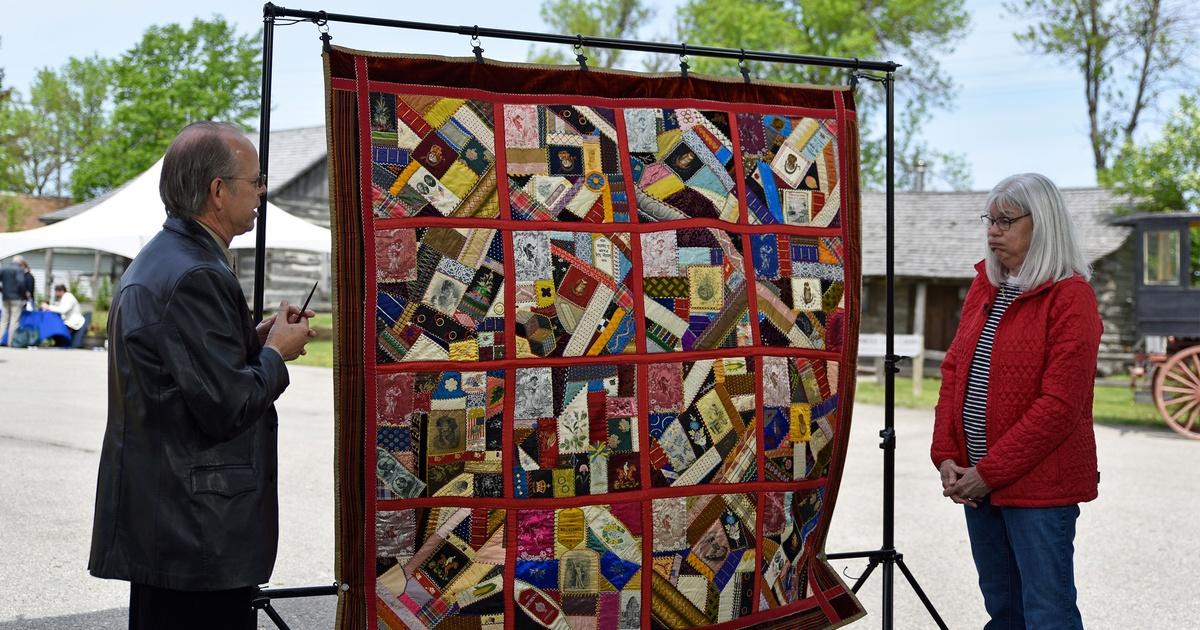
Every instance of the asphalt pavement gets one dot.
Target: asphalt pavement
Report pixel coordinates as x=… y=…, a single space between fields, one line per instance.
x=1136 y=548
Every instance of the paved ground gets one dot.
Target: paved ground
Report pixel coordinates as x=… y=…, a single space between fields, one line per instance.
x=1136 y=547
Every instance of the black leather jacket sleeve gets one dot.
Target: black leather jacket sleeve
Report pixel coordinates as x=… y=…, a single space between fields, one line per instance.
x=205 y=356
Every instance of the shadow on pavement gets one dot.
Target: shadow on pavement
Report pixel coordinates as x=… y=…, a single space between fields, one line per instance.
x=309 y=613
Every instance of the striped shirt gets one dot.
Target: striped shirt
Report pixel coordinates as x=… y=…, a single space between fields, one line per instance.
x=975 y=403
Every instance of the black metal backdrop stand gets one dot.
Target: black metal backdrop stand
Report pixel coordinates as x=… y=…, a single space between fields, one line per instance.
x=886 y=555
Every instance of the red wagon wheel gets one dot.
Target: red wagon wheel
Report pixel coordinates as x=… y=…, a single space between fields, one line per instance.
x=1177 y=392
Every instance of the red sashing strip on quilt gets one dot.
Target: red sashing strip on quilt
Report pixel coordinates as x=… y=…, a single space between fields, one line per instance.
x=611 y=339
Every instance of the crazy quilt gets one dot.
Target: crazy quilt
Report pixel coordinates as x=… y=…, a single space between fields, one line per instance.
x=596 y=347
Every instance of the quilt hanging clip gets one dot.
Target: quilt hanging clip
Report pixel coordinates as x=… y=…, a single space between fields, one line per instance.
x=683 y=61
x=743 y=67
x=323 y=28
x=475 y=47
x=579 y=56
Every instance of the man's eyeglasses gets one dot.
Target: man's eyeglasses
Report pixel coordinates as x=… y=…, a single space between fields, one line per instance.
x=259 y=182
x=1004 y=222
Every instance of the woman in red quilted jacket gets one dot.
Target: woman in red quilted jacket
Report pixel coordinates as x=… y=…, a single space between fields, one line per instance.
x=1012 y=435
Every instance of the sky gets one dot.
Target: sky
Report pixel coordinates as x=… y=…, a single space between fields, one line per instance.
x=1014 y=112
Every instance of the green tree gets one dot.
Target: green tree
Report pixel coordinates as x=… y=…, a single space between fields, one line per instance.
x=616 y=18
x=1128 y=52
x=173 y=76
x=915 y=31
x=1163 y=175
x=63 y=116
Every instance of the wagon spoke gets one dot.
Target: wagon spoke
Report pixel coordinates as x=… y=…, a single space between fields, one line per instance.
x=1183 y=375
x=1179 y=390
x=1191 y=420
x=1174 y=401
x=1193 y=376
x=1182 y=410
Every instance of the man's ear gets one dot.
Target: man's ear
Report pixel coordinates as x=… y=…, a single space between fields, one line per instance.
x=216 y=191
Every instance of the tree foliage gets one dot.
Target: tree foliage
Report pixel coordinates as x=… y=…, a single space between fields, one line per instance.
x=916 y=32
x=1128 y=52
x=600 y=18
x=173 y=76
x=1163 y=175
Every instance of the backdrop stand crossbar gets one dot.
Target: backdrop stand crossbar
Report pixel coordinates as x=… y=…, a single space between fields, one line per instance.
x=887 y=556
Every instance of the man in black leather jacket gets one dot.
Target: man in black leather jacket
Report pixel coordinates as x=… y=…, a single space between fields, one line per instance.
x=186 y=501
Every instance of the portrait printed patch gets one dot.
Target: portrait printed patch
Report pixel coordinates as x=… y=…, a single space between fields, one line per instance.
x=701 y=423
x=694 y=286
x=800 y=403
x=440 y=294
x=575 y=431
x=571 y=294
x=789 y=518
x=682 y=164
x=579 y=567
x=791 y=168
x=432 y=157
x=703 y=569
x=437 y=564
x=439 y=434
x=563 y=164
x=800 y=286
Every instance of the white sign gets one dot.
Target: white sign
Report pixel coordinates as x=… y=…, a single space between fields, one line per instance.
x=875 y=345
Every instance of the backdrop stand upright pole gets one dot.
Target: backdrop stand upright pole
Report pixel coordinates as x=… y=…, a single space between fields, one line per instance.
x=887 y=555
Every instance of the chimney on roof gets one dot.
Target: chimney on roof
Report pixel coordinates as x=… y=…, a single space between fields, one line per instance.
x=919 y=179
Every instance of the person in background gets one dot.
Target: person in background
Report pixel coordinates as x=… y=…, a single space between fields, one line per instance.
x=67 y=307
x=1013 y=438
x=15 y=291
x=187 y=500
x=29 y=281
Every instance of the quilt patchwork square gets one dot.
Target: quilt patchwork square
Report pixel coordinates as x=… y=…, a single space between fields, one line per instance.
x=432 y=156
x=439 y=434
x=703 y=551
x=800 y=286
x=800 y=403
x=575 y=431
x=789 y=518
x=563 y=164
x=436 y=564
x=682 y=164
x=572 y=296
x=694 y=286
x=701 y=423
x=440 y=294
x=791 y=169
x=579 y=567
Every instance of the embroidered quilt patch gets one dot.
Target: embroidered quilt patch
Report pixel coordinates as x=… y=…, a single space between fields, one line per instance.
x=604 y=346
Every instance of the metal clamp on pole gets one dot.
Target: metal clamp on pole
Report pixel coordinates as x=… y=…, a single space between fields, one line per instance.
x=475 y=47
x=683 y=61
x=323 y=28
x=579 y=56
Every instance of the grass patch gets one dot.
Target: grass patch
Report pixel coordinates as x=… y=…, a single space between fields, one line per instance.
x=320 y=354
x=1112 y=405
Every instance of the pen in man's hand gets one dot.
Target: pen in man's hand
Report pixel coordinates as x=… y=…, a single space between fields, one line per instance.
x=308 y=299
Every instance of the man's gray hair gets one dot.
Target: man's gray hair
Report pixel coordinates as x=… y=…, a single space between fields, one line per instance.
x=198 y=155
x=1054 y=252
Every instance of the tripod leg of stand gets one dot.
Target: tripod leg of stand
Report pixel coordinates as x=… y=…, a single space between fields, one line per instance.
x=271 y=612
x=912 y=581
x=862 y=579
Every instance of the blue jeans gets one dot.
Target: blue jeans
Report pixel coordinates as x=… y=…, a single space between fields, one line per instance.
x=1024 y=557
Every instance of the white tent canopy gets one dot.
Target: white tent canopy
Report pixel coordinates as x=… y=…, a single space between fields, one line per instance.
x=124 y=222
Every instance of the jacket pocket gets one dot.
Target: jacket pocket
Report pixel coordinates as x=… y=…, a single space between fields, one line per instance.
x=227 y=481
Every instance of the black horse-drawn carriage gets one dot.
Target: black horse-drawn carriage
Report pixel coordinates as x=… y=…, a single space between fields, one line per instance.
x=1167 y=306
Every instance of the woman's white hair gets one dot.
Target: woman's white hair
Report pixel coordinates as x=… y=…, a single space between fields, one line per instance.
x=1054 y=252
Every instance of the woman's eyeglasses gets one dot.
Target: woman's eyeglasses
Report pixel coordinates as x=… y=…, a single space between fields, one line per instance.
x=1004 y=222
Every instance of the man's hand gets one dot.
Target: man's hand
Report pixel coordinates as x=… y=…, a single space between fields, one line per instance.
x=287 y=331
x=967 y=487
